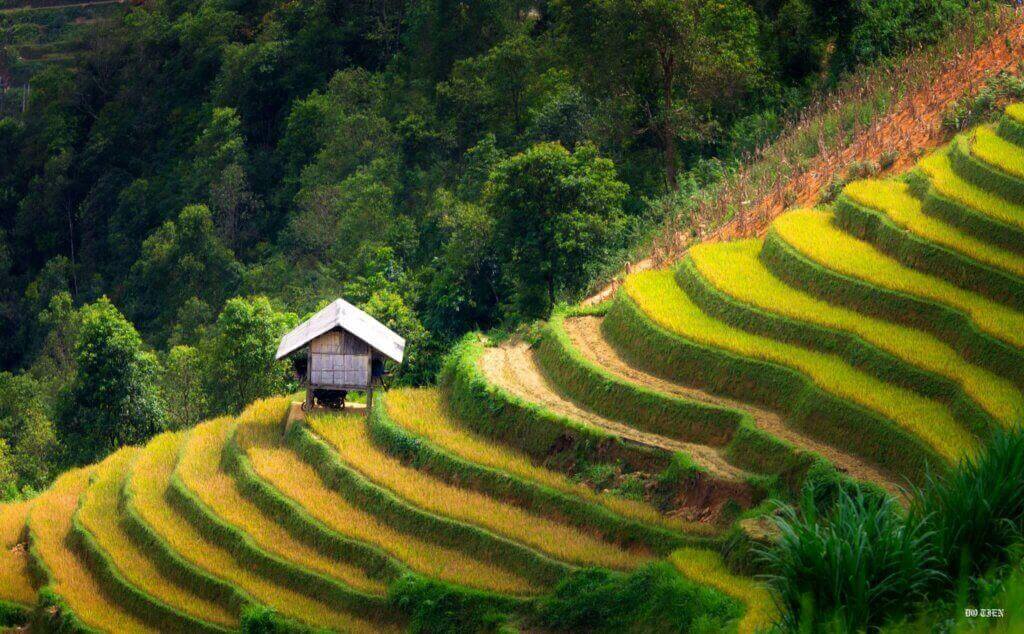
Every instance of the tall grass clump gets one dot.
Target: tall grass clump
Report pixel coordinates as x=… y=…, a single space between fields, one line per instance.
x=853 y=567
x=867 y=562
x=976 y=513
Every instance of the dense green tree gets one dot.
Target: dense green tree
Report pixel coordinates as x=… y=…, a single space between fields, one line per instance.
x=465 y=287
x=9 y=317
x=8 y=477
x=878 y=28
x=389 y=308
x=55 y=365
x=182 y=388
x=183 y=259
x=113 y=399
x=193 y=319
x=238 y=356
x=679 y=60
x=492 y=91
x=557 y=215
x=26 y=432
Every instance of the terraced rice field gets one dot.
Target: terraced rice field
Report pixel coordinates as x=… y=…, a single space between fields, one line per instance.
x=972 y=208
x=873 y=341
x=15 y=587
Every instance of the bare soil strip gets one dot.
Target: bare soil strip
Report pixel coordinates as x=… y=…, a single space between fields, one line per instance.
x=911 y=127
x=586 y=336
x=514 y=367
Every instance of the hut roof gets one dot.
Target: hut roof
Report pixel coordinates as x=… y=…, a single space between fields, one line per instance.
x=341 y=314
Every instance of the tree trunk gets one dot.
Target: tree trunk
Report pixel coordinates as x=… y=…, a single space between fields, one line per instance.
x=550 y=278
x=668 y=133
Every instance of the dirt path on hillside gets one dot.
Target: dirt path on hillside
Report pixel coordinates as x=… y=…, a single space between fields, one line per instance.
x=514 y=367
x=586 y=336
x=911 y=127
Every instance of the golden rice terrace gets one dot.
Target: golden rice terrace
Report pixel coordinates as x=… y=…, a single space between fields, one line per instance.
x=874 y=340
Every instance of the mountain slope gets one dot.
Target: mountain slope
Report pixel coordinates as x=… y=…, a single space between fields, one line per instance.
x=874 y=341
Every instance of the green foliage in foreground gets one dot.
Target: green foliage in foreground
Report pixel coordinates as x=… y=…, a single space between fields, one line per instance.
x=856 y=566
x=867 y=561
x=977 y=512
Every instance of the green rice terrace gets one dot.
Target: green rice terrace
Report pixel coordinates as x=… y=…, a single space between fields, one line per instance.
x=641 y=442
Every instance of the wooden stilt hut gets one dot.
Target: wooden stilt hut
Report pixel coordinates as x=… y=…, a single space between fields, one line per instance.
x=340 y=349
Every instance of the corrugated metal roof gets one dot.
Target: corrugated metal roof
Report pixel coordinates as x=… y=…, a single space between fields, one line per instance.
x=341 y=314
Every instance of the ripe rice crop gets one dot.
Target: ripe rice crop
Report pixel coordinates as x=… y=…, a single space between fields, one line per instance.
x=813 y=235
x=199 y=470
x=734 y=269
x=663 y=300
x=294 y=478
x=707 y=568
x=423 y=412
x=15 y=579
x=150 y=478
x=894 y=200
x=1016 y=112
x=100 y=515
x=997 y=151
x=347 y=433
x=946 y=183
x=69 y=578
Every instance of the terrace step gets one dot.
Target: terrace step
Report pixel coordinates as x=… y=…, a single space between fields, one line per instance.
x=1011 y=126
x=146 y=493
x=990 y=162
x=16 y=591
x=348 y=435
x=706 y=568
x=970 y=208
x=257 y=535
x=666 y=333
x=82 y=601
x=294 y=478
x=514 y=367
x=805 y=249
x=757 y=301
x=886 y=215
x=126 y=570
x=587 y=336
x=424 y=415
x=442 y=529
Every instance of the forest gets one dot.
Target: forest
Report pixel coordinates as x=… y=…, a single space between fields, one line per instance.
x=212 y=171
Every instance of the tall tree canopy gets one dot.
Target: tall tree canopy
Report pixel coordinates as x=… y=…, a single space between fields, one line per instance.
x=556 y=214
x=112 y=400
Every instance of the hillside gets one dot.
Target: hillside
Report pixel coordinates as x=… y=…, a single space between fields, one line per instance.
x=906 y=105
x=875 y=340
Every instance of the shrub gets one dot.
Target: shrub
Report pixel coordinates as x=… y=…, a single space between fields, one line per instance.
x=857 y=170
x=654 y=598
x=855 y=567
x=261 y=620
x=985 y=105
x=439 y=608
